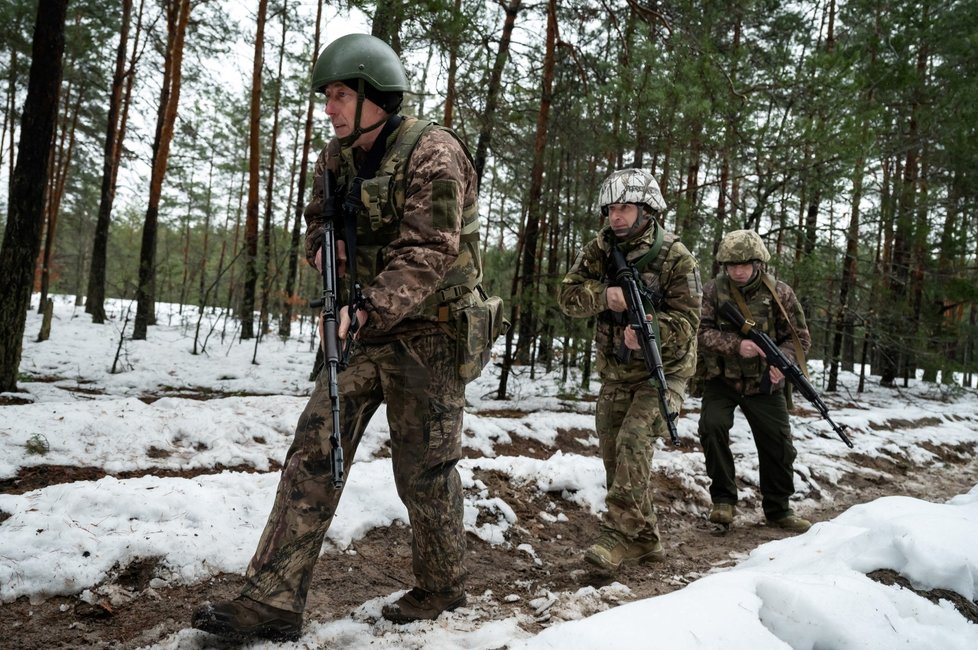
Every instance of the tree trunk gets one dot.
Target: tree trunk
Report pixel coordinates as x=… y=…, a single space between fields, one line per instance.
x=22 y=233
x=178 y=15
x=527 y=297
x=493 y=89
x=111 y=154
x=285 y=325
x=247 y=315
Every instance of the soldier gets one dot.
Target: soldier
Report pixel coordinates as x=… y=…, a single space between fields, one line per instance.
x=408 y=189
x=628 y=418
x=736 y=374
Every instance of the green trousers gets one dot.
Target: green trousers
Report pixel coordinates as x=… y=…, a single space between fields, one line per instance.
x=767 y=416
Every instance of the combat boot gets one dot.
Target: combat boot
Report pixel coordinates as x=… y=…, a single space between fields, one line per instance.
x=722 y=513
x=790 y=522
x=644 y=550
x=422 y=605
x=243 y=618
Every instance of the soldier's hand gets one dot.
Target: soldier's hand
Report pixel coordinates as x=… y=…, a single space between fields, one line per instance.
x=615 y=298
x=340 y=258
x=344 y=325
x=775 y=375
x=749 y=349
x=631 y=336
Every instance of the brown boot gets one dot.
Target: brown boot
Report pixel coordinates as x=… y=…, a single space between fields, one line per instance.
x=243 y=618
x=422 y=605
x=791 y=522
x=722 y=513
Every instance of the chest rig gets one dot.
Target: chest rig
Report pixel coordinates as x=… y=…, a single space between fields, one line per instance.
x=380 y=210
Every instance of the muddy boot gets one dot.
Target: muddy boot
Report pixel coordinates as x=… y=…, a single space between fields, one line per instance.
x=722 y=514
x=645 y=550
x=422 y=605
x=607 y=553
x=243 y=618
x=790 y=522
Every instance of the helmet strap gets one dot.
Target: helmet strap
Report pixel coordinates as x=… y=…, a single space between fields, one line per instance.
x=359 y=130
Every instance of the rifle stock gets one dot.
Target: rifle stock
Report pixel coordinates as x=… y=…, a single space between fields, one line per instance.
x=334 y=361
x=788 y=368
x=627 y=278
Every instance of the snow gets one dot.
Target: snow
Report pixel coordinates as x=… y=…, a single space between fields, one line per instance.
x=808 y=591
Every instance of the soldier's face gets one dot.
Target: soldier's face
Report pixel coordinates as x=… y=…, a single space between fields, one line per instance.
x=621 y=218
x=740 y=273
x=341 y=109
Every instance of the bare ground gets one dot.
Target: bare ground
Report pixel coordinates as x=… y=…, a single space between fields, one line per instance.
x=381 y=562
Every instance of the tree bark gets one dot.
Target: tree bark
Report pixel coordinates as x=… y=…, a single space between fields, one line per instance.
x=22 y=234
x=247 y=314
x=493 y=89
x=111 y=154
x=178 y=15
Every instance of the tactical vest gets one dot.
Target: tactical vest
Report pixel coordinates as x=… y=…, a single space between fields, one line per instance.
x=608 y=334
x=379 y=219
x=760 y=302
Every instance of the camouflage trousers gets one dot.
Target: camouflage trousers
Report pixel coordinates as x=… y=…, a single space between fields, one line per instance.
x=628 y=420
x=418 y=379
x=767 y=416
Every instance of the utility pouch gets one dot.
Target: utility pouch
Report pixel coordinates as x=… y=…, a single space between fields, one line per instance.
x=477 y=323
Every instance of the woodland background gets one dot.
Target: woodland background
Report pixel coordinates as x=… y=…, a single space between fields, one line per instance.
x=135 y=164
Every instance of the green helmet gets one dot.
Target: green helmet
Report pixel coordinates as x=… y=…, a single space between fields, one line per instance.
x=360 y=56
x=631 y=186
x=740 y=246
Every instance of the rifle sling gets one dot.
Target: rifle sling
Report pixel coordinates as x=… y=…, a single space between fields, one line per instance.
x=749 y=319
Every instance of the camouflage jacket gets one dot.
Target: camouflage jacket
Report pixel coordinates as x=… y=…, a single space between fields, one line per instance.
x=719 y=340
x=673 y=275
x=413 y=253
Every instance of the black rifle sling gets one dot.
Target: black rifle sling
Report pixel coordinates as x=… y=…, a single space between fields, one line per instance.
x=353 y=202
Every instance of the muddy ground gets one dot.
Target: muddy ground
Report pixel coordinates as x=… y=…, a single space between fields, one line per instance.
x=381 y=562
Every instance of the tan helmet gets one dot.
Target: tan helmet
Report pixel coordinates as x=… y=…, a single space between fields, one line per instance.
x=631 y=186
x=740 y=246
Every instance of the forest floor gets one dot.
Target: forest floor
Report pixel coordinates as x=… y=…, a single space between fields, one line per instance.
x=502 y=578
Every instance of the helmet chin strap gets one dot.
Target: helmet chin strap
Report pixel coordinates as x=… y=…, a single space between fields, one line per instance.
x=641 y=223
x=357 y=129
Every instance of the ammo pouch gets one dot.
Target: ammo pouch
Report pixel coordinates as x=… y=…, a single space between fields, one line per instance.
x=475 y=321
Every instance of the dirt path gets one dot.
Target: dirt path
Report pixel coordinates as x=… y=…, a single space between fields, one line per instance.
x=503 y=579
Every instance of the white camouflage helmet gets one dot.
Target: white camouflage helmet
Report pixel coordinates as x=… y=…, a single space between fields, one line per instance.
x=631 y=186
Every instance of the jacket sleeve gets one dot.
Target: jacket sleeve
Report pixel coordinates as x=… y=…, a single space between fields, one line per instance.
x=709 y=336
x=582 y=291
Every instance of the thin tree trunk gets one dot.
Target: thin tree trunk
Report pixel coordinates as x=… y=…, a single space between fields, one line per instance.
x=494 y=87
x=111 y=154
x=285 y=325
x=22 y=233
x=247 y=315
x=527 y=321
x=178 y=15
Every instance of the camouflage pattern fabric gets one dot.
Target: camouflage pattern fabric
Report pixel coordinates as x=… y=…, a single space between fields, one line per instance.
x=400 y=358
x=732 y=381
x=676 y=278
x=627 y=418
x=719 y=340
x=409 y=243
x=418 y=380
x=742 y=246
x=631 y=186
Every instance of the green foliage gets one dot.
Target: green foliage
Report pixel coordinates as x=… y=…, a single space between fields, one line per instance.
x=37 y=445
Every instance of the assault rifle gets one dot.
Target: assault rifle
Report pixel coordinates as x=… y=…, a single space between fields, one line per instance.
x=626 y=275
x=334 y=360
x=788 y=368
